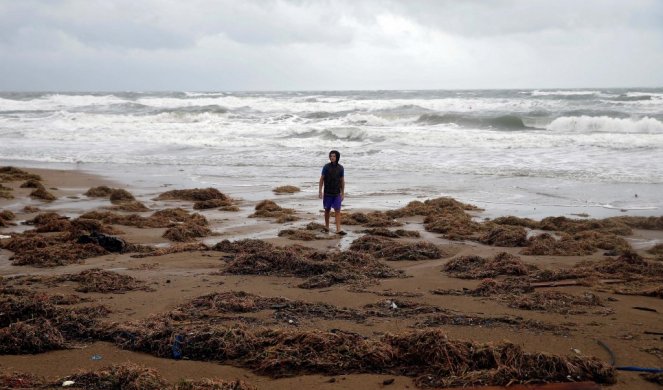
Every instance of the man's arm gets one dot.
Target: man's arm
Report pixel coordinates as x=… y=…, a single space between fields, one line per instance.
x=320 y=184
x=342 y=188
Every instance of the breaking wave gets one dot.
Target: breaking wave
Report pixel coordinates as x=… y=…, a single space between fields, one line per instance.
x=604 y=124
x=505 y=122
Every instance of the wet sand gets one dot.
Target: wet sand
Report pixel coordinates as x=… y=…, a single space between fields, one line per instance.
x=177 y=278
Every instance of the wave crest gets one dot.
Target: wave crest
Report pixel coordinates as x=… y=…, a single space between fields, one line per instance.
x=505 y=122
x=605 y=124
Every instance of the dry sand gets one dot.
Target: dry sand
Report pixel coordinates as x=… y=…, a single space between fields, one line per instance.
x=177 y=278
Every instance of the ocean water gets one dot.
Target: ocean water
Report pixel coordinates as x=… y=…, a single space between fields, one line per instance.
x=524 y=152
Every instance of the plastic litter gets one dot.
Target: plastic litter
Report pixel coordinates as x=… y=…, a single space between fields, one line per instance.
x=96 y=357
x=67 y=383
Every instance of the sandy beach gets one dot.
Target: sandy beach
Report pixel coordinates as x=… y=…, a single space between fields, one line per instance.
x=447 y=271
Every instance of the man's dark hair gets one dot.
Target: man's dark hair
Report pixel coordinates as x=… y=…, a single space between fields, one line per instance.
x=337 y=153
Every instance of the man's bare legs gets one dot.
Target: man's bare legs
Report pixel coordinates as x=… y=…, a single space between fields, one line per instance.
x=337 y=216
x=327 y=218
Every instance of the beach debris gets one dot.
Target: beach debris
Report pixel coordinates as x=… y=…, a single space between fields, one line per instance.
x=384 y=232
x=100 y=281
x=41 y=193
x=477 y=267
x=119 y=195
x=371 y=219
x=15 y=174
x=288 y=189
x=653 y=377
x=32 y=183
x=121 y=376
x=5 y=192
x=99 y=192
x=187 y=231
x=427 y=355
x=556 y=302
x=547 y=245
x=489 y=287
x=643 y=308
x=31 y=324
x=18 y=380
x=269 y=209
x=305 y=234
x=447 y=318
x=67 y=383
x=5 y=217
x=390 y=249
x=253 y=257
x=505 y=235
x=516 y=221
x=133 y=206
x=430 y=206
x=31 y=209
x=203 y=198
x=175 y=248
x=56 y=254
x=159 y=219
x=96 y=357
x=109 y=243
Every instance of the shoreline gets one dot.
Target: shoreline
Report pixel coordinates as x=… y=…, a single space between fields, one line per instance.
x=179 y=277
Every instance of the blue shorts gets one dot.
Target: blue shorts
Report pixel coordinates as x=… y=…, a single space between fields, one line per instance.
x=332 y=201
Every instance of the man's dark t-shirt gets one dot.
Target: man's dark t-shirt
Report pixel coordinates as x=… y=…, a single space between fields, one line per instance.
x=332 y=174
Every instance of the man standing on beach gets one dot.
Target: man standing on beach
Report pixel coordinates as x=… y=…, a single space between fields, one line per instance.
x=333 y=181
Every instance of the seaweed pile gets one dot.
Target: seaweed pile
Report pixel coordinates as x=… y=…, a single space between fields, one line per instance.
x=286 y=190
x=398 y=233
x=15 y=174
x=6 y=217
x=427 y=355
x=477 y=267
x=372 y=219
x=43 y=194
x=31 y=324
x=390 y=249
x=504 y=235
x=97 y=280
x=269 y=209
x=203 y=198
x=556 y=302
x=309 y=233
x=489 y=287
x=255 y=257
x=176 y=248
x=128 y=375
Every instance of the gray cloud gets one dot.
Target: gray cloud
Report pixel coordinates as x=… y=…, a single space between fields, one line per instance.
x=343 y=44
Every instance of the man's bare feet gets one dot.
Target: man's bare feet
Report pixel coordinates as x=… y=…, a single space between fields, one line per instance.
x=341 y=233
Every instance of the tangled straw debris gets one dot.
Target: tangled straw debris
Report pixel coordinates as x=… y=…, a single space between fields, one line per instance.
x=394 y=250
x=489 y=287
x=269 y=209
x=384 y=232
x=477 y=267
x=176 y=248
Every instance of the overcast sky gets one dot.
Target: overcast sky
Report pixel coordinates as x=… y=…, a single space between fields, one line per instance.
x=203 y=45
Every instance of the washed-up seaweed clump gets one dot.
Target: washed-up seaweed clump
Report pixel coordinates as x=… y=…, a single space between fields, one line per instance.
x=430 y=206
x=97 y=280
x=31 y=324
x=489 y=287
x=569 y=225
x=653 y=377
x=121 y=376
x=5 y=218
x=32 y=183
x=119 y=195
x=384 y=232
x=269 y=209
x=203 y=198
x=656 y=250
x=399 y=308
x=305 y=234
x=395 y=250
x=371 y=219
x=159 y=219
x=647 y=223
x=517 y=323
x=548 y=245
x=516 y=221
x=322 y=269
x=15 y=174
x=43 y=194
x=127 y=376
x=188 y=231
x=628 y=267
x=505 y=235
x=217 y=306
x=61 y=253
x=652 y=291
x=286 y=189
x=5 y=192
x=556 y=302
x=427 y=355
x=477 y=267
x=175 y=248
x=99 y=192
x=132 y=206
